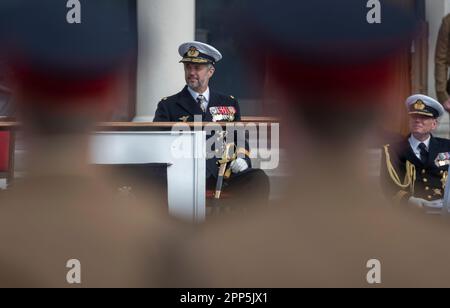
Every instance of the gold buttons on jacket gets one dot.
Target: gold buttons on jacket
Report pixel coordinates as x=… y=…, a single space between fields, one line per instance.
x=425 y=180
x=429 y=197
x=427 y=188
x=423 y=171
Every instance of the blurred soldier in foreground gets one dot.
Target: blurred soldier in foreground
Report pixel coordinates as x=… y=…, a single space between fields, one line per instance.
x=65 y=78
x=333 y=82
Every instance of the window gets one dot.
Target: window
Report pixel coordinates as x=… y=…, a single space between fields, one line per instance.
x=233 y=77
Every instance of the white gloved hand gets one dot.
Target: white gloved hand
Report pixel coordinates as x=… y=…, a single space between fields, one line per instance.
x=238 y=165
x=424 y=204
x=416 y=202
x=436 y=204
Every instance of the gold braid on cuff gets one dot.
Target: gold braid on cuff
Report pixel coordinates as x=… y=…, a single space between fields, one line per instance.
x=242 y=151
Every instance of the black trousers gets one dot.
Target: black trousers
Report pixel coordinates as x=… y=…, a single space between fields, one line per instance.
x=251 y=187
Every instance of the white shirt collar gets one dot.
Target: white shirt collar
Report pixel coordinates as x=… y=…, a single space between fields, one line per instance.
x=196 y=94
x=415 y=143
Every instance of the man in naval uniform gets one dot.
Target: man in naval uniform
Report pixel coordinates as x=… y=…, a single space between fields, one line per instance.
x=415 y=170
x=196 y=99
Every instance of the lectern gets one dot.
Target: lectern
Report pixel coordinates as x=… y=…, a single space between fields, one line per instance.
x=182 y=152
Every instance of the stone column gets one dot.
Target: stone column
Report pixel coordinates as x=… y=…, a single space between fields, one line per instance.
x=162 y=26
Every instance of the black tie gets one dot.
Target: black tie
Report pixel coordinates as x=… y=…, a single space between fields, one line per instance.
x=423 y=153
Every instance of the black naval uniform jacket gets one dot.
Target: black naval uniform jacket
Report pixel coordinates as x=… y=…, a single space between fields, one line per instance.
x=182 y=107
x=429 y=183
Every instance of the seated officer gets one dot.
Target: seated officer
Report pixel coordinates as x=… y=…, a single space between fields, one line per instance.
x=415 y=170
x=196 y=99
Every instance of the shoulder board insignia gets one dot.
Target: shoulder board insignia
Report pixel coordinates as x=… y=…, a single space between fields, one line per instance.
x=164 y=98
x=232 y=97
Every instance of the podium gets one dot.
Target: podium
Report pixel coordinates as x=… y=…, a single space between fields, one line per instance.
x=182 y=152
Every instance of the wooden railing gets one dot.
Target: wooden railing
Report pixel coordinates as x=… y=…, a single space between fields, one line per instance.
x=9 y=124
